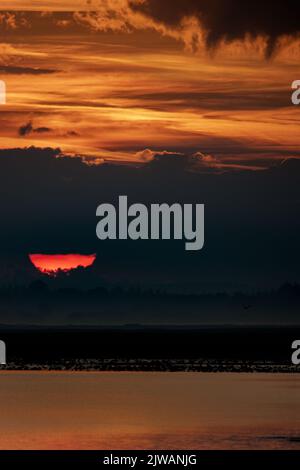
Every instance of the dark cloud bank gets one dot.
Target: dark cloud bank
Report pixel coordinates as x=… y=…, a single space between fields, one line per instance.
x=222 y=20
x=230 y=20
x=28 y=128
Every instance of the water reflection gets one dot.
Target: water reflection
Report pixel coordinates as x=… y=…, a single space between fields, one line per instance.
x=77 y=410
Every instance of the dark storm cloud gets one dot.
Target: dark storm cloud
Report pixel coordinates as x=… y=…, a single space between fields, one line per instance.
x=229 y=20
x=221 y=20
x=25 y=129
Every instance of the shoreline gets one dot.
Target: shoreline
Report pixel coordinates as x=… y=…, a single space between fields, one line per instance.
x=154 y=365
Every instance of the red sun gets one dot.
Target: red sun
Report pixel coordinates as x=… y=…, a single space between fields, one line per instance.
x=52 y=264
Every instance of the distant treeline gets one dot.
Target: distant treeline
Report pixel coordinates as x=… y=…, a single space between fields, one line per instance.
x=38 y=303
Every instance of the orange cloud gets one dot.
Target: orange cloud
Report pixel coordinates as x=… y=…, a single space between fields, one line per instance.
x=46 y=5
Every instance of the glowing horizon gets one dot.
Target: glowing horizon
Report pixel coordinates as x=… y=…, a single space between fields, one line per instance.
x=51 y=264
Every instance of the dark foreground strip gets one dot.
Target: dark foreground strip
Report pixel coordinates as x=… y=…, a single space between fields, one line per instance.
x=152 y=459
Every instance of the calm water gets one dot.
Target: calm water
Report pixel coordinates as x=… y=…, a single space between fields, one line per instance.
x=77 y=410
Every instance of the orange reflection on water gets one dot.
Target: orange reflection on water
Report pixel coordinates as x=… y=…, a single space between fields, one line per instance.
x=77 y=410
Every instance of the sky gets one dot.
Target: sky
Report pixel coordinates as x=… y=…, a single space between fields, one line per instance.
x=49 y=207
x=123 y=80
x=174 y=101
